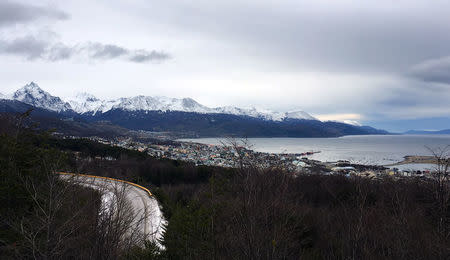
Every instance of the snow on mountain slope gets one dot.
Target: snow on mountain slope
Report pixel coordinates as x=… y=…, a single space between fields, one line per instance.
x=299 y=115
x=5 y=96
x=86 y=103
x=352 y=122
x=160 y=103
x=83 y=103
x=33 y=95
x=264 y=113
x=348 y=122
x=251 y=111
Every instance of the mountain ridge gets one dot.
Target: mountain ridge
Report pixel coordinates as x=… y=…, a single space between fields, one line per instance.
x=163 y=114
x=83 y=103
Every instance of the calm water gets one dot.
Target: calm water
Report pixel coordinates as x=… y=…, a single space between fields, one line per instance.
x=366 y=149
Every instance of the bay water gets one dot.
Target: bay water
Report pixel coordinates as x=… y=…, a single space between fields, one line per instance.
x=363 y=149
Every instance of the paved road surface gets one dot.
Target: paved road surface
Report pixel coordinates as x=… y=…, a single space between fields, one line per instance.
x=144 y=206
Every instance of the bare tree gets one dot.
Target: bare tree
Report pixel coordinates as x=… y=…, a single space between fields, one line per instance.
x=65 y=217
x=71 y=214
x=56 y=222
x=241 y=147
x=263 y=220
x=441 y=180
x=118 y=225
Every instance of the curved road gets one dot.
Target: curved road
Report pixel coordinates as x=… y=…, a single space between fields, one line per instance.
x=146 y=210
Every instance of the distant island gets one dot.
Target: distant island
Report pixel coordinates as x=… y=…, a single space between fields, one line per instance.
x=428 y=132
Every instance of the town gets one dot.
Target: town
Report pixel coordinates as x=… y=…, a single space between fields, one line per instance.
x=236 y=153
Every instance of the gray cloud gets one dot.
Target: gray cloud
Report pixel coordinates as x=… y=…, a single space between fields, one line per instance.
x=342 y=36
x=433 y=70
x=28 y=47
x=32 y=48
x=12 y=13
x=60 y=51
x=141 y=56
x=106 y=51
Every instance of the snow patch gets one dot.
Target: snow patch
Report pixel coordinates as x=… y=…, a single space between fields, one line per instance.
x=348 y=122
x=299 y=115
x=352 y=122
x=84 y=102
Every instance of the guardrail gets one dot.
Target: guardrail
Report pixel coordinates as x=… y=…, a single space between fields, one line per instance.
x=108 y=178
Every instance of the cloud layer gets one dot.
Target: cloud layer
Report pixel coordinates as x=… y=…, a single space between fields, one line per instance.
x=433 y=70
x=32 y=48
x=36 y=46
x=12 y=13
x=334 y=58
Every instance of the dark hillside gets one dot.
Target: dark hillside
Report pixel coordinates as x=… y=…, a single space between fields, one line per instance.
x=216 y=125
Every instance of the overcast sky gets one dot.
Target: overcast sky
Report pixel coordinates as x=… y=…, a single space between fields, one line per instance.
x=383 y=63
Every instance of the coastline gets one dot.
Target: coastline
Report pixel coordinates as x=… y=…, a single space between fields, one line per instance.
x=415 y=159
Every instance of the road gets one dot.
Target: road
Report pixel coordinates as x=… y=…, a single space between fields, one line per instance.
x=146 y=211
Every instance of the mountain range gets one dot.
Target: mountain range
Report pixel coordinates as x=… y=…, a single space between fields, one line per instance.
x=85 y=103
x=176 y=115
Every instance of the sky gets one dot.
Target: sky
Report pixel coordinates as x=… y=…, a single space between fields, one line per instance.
x=381 y=63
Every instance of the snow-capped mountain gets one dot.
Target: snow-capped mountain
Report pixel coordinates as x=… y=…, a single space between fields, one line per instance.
x=182 y=116
x=264 y=113
x=33 y=95
x=85 y=103
x=251 y=111
x=299 y=115
x=161 y=103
